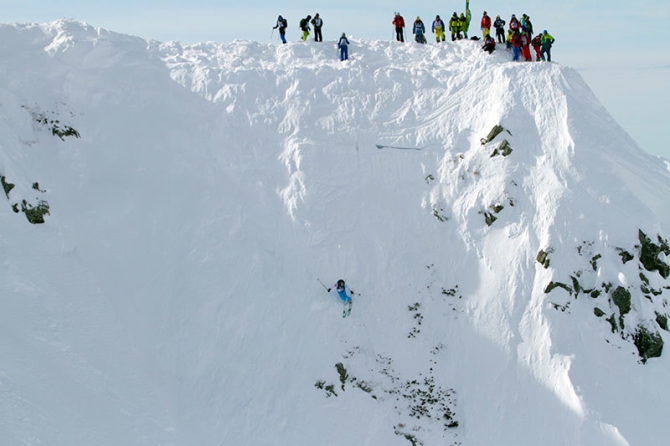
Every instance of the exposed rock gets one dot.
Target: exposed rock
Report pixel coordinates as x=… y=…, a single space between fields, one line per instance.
x=649 y=345
x=542 y=257
x=649 y=253
x=495 y=131
x=6 y=186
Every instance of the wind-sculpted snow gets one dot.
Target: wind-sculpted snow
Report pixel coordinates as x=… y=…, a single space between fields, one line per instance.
x=510 y=290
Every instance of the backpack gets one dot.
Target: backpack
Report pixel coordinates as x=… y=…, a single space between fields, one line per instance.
x=284 y=23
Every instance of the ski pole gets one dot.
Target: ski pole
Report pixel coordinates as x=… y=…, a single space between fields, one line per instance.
x=272 y=33
x=327 y=289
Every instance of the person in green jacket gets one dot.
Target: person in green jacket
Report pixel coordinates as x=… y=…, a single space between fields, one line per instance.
x=463 y=25
x=546 y=41
x=454 y=27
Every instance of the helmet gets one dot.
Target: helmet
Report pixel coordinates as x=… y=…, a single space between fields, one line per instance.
x=484 y=12
x=344 y=35
x=279 y=18
x=437 y=17
x=340 y=283
x=513 y=16
x=544 y=32
x=418 y=18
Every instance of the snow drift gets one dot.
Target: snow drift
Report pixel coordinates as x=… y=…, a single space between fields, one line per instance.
x=511 y=284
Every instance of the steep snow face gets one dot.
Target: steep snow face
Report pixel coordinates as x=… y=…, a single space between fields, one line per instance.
x=196 y=194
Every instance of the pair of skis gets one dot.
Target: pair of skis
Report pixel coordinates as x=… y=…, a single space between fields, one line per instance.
x=346 y=311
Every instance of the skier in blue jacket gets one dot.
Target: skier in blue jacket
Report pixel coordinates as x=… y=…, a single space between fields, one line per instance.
x=344 y=292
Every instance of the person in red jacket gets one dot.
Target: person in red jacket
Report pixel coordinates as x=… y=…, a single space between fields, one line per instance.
x=514 y=24
x=537 y=44
x=399 y=24
x=486 y=26
x=489 y=44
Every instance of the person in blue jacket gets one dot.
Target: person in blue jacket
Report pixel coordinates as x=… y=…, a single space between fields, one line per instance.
x=419 y=30
x=344 y=292
x=343 y=45
x=282 y=24
x=438 y=29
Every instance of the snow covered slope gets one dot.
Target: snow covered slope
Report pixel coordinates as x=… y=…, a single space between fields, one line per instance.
x=510 y=291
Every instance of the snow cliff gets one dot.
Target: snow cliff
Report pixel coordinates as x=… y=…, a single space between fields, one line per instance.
x=504 y=236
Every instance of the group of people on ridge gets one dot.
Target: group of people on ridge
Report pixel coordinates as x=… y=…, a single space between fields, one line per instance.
x=458 y=27
x=519 y=37
x=317 y=23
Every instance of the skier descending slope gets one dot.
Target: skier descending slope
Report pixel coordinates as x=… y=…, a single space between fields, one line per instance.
x=342 y=290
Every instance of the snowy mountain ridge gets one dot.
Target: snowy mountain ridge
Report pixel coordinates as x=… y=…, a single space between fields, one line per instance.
x=504 y=236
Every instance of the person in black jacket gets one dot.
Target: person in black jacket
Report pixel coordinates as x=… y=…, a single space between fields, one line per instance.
x=304 y=26
x=318 y=23
x=499 y=25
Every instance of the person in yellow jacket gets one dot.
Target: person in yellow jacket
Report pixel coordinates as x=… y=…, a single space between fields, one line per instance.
x=508 y=39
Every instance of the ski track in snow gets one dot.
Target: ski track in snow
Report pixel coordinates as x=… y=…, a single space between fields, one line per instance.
x=170 y=297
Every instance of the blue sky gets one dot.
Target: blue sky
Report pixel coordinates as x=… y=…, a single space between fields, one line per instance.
x=620 y=47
